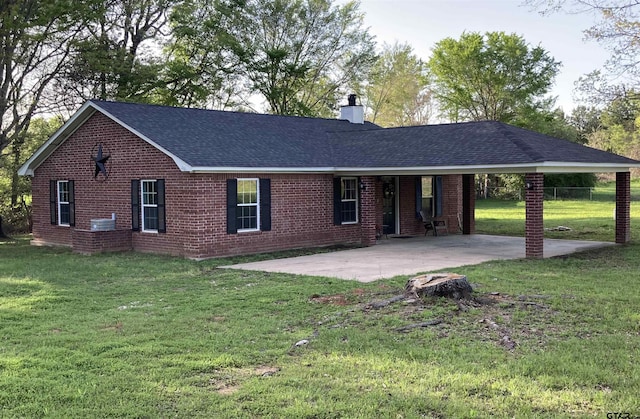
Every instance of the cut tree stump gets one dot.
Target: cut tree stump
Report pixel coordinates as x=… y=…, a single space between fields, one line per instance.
x=444 y=284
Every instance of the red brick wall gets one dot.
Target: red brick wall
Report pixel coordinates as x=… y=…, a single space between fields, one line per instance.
x=131 y=158
x=452 y=201
x=302 y=204
x=623 y=207
x=534 y=224
x=301 y=216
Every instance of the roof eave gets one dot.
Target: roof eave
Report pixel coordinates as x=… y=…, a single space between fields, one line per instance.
x=239 y=169
x=542 y=167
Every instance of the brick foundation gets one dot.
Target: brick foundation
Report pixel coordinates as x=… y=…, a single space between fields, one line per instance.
x=89 y=242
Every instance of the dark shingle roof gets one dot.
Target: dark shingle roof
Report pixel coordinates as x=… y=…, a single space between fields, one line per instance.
x=205 y=138
x=485 y=143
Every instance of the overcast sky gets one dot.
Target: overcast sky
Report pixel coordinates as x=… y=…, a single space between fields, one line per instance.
x=422 y=23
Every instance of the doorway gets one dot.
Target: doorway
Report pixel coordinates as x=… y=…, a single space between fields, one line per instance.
x=390 y=205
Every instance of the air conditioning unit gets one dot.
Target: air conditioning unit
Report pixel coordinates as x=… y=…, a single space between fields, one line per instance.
x=103 y=224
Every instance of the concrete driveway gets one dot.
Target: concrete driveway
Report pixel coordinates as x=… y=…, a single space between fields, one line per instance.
x=409 y=256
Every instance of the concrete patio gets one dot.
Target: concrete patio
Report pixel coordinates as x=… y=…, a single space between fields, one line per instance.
x=411 y=255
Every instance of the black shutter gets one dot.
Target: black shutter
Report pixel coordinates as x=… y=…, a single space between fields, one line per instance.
x=419 y=197
x=72 y=204
x=265 y=204
x=467 y=191
x=53 y=201
x=232 y=205
x=337 y=201
x=162 y=218
x=135 y=205
x=438 y=195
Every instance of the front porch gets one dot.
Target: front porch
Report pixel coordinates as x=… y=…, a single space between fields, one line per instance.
x=405 y=255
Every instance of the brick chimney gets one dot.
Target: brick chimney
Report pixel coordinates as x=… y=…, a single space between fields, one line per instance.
x=352 y=112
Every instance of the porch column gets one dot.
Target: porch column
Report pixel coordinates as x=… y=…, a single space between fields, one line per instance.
x=534 y=227
x=368 y=209
x=468 y=204
x=623 y=207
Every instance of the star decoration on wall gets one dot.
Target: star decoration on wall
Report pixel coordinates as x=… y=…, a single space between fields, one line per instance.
x=101 y=161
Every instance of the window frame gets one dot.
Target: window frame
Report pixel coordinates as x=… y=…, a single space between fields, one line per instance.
x=430 y=197
x=143 y=205
x=60 y=202
x=240 y=205
x=344 y=200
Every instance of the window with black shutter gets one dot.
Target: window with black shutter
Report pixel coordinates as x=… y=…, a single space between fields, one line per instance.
x=62 y=207
x=248 y=205
x=148 y=210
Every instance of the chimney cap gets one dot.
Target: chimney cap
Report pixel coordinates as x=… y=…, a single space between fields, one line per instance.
x=352 y=99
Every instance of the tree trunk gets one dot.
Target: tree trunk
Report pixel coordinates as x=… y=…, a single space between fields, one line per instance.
x=2 y=235
x=447 y=284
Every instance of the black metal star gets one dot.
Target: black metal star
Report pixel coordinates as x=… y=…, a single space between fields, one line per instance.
x=101 y=162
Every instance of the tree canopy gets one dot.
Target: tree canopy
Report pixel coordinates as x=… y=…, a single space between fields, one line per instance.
x=495 y=76
x=298 y=55
x=398 y=90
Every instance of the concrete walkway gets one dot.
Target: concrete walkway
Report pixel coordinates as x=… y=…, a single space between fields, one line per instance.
x=409 y=256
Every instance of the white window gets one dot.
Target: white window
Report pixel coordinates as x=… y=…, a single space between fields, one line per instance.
x=248 y=210
x=427 y=195
x=149 y=205
x=64 y=207
x=349 y=200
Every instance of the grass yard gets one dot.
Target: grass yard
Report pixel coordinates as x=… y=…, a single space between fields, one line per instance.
x=131 y=335
x=588 y=220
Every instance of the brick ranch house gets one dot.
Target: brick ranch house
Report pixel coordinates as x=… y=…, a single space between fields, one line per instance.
x=200 y=183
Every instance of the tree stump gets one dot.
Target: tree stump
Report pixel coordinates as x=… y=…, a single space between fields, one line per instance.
x=445 y=284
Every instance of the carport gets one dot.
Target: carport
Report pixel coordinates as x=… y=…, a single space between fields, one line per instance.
x=485 y=147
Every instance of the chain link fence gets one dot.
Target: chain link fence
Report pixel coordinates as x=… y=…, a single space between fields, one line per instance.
x=605 y=194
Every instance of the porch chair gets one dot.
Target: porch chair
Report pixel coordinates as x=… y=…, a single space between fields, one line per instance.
x=437 y=226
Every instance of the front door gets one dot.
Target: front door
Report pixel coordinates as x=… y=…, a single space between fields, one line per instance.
x=389 y=205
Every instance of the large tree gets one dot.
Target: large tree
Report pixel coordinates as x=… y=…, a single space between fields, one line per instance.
x=118 y=56
x=15 y=190
x=398 y=92
x=200 y=70
x=616 y=28
x=495 y=76
x=35 y=42
x=299 y=56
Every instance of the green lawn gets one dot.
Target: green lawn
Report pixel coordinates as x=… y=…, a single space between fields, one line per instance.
x=131 y=335
x=588 y=220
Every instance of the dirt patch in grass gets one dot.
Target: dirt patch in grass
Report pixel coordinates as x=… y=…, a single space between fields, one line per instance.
x=229 y=381
x=339 y=299
x=508 y=321
x=117 y=327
